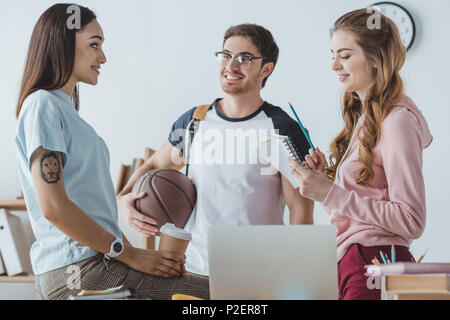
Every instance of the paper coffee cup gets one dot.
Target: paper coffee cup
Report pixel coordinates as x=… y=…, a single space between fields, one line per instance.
x=173 y=239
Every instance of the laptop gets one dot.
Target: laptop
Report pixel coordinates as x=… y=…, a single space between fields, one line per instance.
x=273 y=262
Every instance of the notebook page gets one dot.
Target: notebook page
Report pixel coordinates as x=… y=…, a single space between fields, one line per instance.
x=275 y=152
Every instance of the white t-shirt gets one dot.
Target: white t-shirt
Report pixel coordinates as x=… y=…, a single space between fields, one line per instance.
x=234 y=187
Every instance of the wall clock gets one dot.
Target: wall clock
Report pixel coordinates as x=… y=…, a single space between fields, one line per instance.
x=402 y=18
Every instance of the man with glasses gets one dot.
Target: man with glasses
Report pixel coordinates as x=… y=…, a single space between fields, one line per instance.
x=232 y=188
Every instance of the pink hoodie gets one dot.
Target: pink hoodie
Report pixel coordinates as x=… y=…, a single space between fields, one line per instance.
x=393 y=211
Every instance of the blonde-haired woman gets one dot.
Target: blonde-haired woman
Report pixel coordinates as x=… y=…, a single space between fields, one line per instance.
x=373 y=187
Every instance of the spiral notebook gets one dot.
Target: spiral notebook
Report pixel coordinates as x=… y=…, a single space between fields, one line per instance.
x=281 y=148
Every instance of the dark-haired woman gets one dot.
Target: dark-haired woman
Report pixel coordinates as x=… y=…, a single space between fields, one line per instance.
x=374 y=187
x=64 y=172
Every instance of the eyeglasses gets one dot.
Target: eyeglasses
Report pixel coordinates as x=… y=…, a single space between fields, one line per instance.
x=244 y=60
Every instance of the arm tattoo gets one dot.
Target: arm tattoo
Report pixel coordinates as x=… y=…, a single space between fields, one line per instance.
x=51 y=167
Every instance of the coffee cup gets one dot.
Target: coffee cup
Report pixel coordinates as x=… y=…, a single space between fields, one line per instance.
x=173 y=239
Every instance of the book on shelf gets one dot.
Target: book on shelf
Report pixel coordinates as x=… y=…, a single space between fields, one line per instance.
x=149 y=153
x=417 y=282
x=132 y=167
x=139 y=163
x=407 y=268
x=14 y=246
x=127 y=175
x=420 y=295
x=122 y=180
x=2 y=266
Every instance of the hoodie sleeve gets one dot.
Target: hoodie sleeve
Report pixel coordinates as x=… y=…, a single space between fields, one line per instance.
x=401 y=152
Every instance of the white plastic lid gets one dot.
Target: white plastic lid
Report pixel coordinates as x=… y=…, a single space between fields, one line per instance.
x=171 y=230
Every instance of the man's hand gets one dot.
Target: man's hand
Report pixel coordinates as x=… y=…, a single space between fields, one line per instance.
x=163 y=158
x=139 y=221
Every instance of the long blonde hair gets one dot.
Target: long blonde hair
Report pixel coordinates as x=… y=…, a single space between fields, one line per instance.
x=384 y=47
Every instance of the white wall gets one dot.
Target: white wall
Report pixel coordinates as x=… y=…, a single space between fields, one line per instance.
x=160 y=63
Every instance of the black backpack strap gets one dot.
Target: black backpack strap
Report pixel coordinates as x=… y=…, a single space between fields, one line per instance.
x=199 y=115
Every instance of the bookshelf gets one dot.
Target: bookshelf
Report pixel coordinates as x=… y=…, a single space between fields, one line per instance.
x=18 y=205
x=15 y=279
x=19 y=287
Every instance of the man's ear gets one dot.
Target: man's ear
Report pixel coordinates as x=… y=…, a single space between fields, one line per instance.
x=267 y=69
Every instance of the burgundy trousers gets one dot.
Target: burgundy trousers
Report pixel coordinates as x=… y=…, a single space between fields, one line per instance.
x=353 y=283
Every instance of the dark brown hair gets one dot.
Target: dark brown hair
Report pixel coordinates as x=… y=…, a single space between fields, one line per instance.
x=261 y=38
x=51 y=53
x=383 y=46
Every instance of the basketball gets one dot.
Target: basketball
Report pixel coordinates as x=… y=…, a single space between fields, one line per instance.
x=170 y=196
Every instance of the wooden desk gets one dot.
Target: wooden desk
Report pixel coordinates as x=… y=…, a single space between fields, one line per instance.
x=13 y=204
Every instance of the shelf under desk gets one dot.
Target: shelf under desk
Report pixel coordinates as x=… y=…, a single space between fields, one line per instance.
x=13 y=204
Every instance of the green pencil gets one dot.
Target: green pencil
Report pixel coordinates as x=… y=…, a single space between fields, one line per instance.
x=393 y=257
x=301 y=126
x=383 y=258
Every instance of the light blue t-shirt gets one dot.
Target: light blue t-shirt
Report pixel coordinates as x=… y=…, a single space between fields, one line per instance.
x=48 y=119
